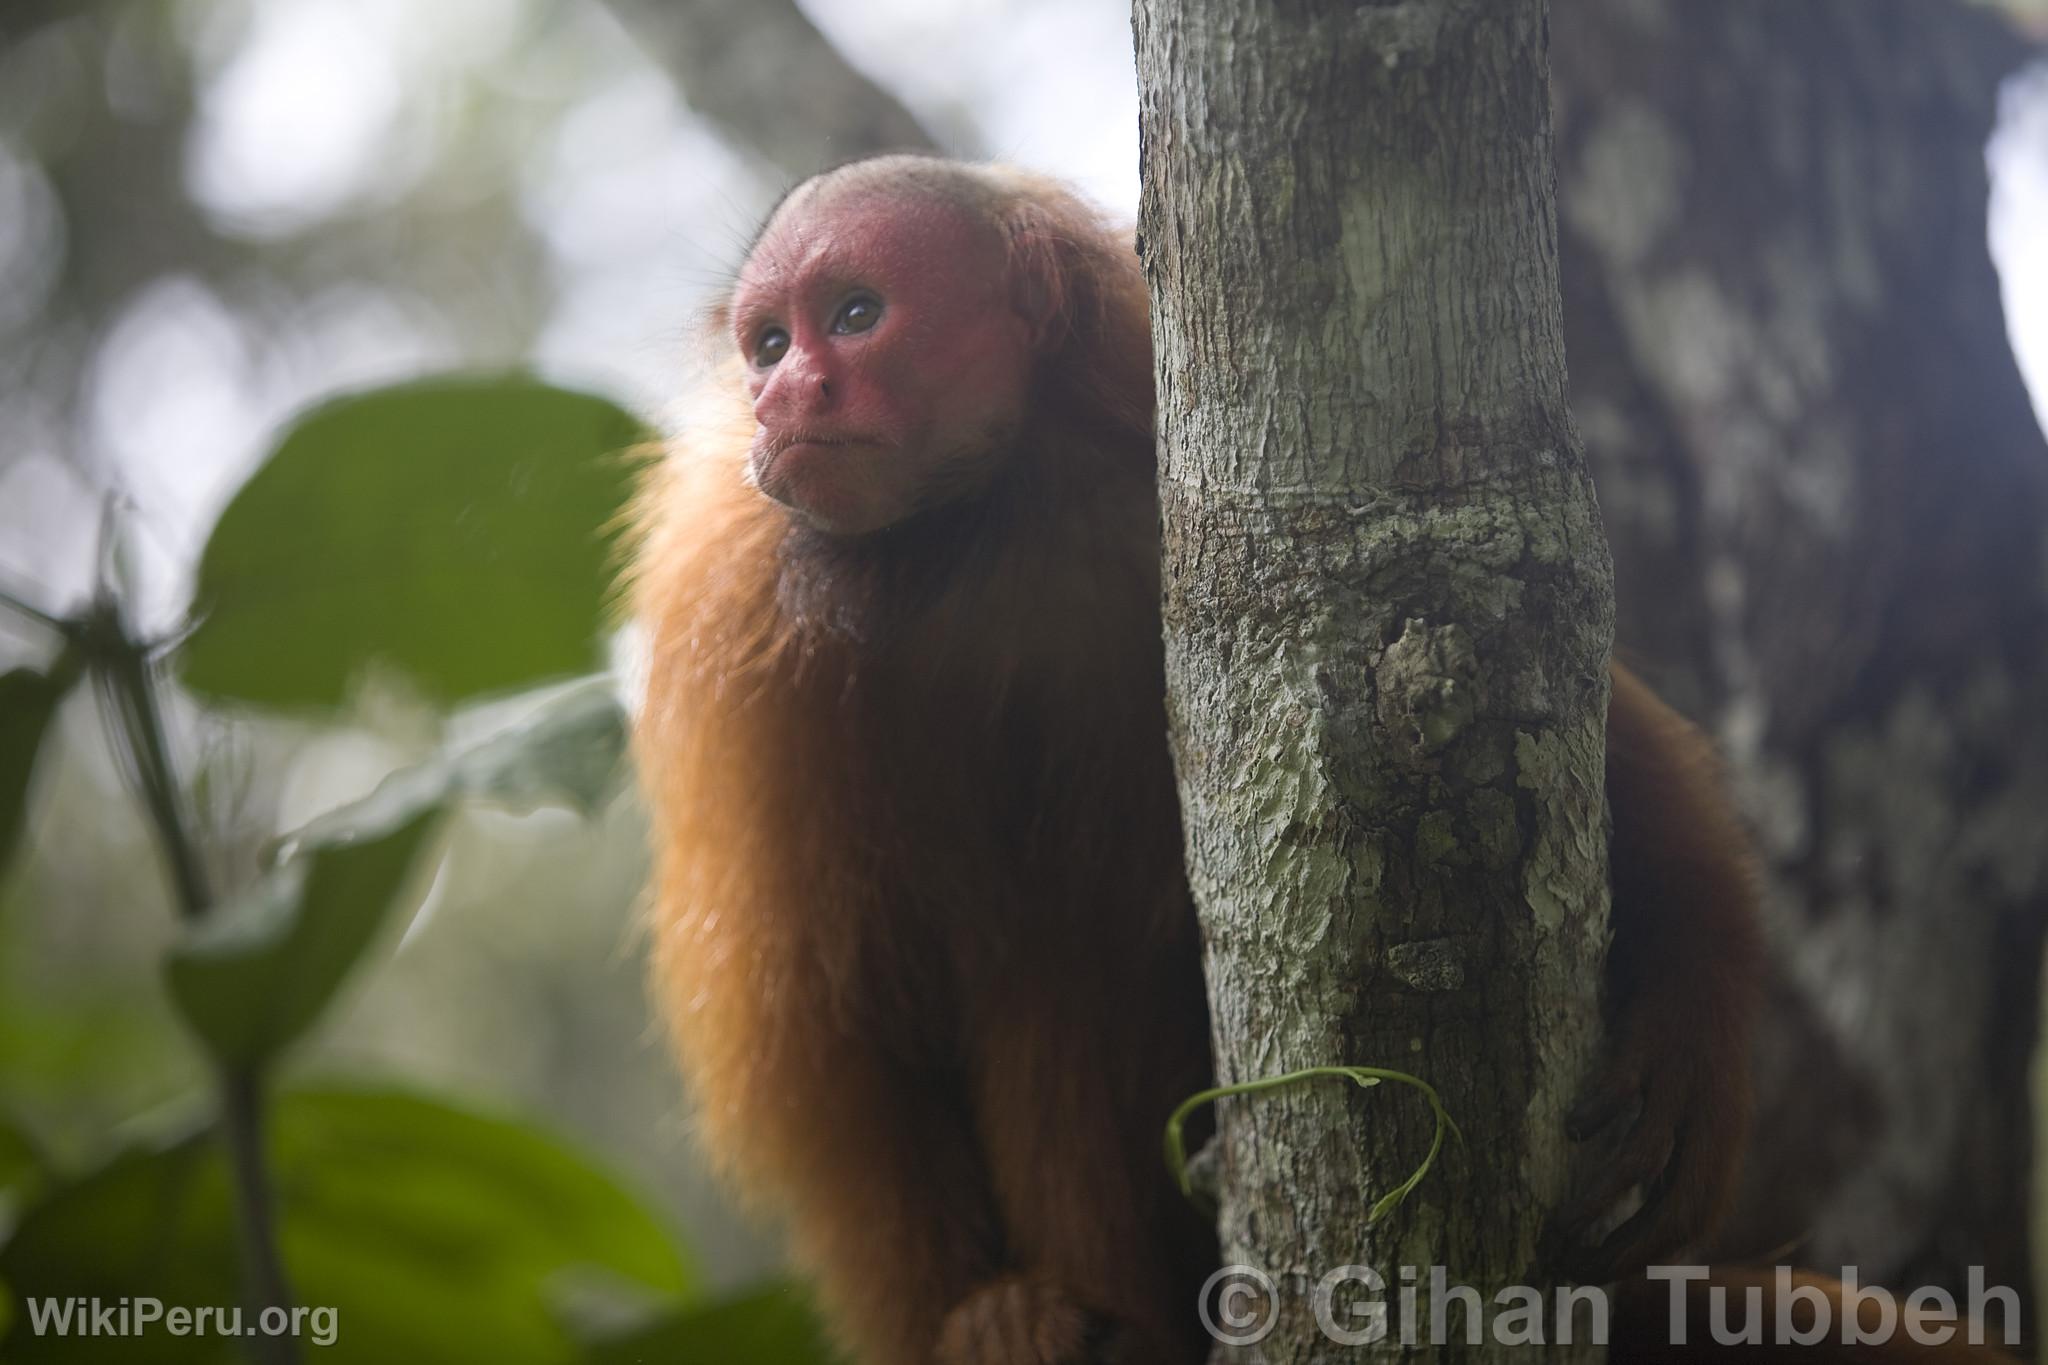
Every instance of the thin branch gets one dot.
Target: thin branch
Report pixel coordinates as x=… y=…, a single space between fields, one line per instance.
x=130 y=697
x=772 y=83
x=255 y=1215
x=31 y=612
x=131 y=693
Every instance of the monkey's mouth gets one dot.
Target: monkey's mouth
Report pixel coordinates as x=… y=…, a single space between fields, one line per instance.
x=815 y=474
x=804 y=445
x=783 y=444
x=796 y=457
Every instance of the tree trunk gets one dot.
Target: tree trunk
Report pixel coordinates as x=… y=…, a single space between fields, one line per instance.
x=1827 y=495
x=1387 y=614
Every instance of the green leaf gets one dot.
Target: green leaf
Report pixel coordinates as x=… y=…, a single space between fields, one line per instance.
x=28 y=702
x=255 y=975
x=566 y=752
x=434 y=1234
x=455 y=529
x=772 y=1325
x=129 y=1228
x=569 y=751
x=22 y=1164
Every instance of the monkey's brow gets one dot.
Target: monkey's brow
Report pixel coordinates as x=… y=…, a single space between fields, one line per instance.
x=744 y=318
x=820 y=274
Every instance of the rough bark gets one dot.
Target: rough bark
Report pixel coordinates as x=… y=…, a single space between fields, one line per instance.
x=1827 y=496
x=772 y=83
x=1387 y=610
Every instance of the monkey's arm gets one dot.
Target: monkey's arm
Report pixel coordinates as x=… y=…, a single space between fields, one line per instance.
x=891 y=1207
x=1668 y=1108
x=874 y=1162
x=1108 y=1255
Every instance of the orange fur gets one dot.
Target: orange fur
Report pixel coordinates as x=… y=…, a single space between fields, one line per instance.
x=1684 y=978
x=920 y=922
x=922 y=928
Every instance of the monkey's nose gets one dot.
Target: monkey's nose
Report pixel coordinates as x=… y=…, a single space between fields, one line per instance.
x=793 y=393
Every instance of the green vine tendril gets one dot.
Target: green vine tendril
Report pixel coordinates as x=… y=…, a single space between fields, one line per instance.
x=1364 y=1076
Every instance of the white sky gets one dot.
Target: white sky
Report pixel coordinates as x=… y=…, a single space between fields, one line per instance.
x=2018 y=158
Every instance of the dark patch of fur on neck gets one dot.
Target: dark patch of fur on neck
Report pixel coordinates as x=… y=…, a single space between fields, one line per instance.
x=864 y=590
x=980 y=593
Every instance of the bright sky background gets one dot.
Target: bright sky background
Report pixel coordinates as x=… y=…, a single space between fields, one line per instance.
x=2018 y=157
x=639 y=203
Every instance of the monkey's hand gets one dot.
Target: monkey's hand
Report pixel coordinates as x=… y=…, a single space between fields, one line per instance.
x=1664 y=1119
x=1026 y=1320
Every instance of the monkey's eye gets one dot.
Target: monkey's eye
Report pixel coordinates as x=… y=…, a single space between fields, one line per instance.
x=769 y=346
x=857 y=314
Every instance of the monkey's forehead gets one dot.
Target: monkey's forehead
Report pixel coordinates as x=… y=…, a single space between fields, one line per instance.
x=841 y=228
x=883 y=185
x=904 y=175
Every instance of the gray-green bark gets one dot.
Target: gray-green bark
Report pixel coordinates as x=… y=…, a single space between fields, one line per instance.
x=1828 y=499
x=1387 y=613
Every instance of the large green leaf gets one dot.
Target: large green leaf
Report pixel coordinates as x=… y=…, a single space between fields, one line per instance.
x=772 y=1325
x=456 y=529
x=256 y=973
x=129 y=1229
x=28 y=702
x=434 y=1234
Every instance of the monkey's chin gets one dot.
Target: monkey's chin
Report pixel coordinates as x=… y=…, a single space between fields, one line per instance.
x=831 y=486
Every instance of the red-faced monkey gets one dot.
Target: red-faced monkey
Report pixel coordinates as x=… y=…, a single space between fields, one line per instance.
x=921 y=923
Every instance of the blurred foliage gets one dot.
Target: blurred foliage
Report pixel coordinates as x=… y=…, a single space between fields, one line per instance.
x=436 y=1235
x=773 y=1323
x=28 y=702
x=254 y=975
x=433 y=1232
x=215 y=213
x=449 y=497
x=566 y=751
x=22 y=1165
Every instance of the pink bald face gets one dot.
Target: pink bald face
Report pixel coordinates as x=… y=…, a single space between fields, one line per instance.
x=886 y=360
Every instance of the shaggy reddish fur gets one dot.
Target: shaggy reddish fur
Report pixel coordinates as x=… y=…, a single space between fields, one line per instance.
x=921 y=923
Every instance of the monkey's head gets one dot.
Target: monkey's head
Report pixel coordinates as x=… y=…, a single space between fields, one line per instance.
x=889 y=339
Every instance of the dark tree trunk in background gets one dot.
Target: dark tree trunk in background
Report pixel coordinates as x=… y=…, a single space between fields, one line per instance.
x=1827 y=496
x=773 y=84
x=1387 y=609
